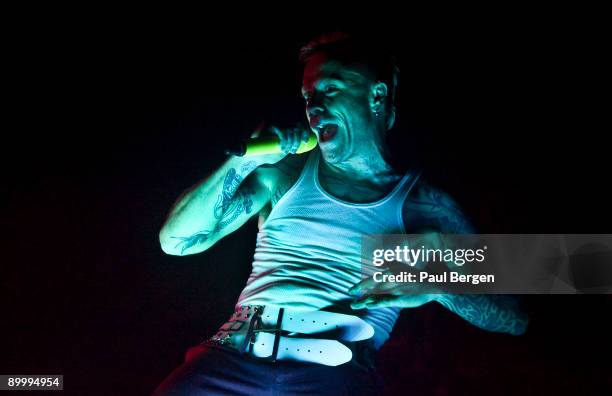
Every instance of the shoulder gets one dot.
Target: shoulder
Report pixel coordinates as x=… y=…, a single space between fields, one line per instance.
x=279 y=178
x=428 y=206
x=287 y=169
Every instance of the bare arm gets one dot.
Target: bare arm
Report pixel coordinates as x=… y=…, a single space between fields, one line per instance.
x=430 y=209
x=214 y=207
x=497 y=313
x=225 y=200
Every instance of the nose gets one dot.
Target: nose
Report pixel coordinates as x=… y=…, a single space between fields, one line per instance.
x=314 y=107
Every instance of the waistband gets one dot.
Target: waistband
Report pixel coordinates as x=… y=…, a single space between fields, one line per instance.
x=273 y=333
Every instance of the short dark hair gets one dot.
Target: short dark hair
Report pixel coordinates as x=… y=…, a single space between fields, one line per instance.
x=352 y=49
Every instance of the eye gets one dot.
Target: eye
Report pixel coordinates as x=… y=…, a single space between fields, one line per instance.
x=330 y=90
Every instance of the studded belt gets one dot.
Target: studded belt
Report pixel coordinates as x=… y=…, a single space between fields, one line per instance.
x=273 y=333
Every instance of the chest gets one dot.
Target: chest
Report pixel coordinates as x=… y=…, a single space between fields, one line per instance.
x=354 y=191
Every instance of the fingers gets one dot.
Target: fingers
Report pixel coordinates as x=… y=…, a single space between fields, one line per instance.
x=365 y=284
x=290 y=138
x=375 y=301
x=369 y=283
x=295 y=140
x=392 y=300
x=378 y=294
x=281 y=136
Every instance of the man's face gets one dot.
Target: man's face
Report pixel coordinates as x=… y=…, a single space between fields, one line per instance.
x=338 y=108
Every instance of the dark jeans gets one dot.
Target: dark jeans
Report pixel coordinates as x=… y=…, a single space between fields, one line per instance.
x=210 y=370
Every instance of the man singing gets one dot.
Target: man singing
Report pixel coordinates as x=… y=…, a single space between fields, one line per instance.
x=305 y=322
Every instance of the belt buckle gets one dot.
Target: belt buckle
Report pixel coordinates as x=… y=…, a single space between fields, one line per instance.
x=255 y=327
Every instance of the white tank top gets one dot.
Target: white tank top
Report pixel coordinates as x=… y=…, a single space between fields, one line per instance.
x=308 y=251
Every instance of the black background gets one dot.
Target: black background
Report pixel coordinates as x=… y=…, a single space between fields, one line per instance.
x=109 y=119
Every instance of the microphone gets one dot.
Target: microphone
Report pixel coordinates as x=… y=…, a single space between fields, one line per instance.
x=268 y=145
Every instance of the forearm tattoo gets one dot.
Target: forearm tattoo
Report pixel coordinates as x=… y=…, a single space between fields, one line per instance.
x=489 y=312
x=192 y=240
x=231 y=203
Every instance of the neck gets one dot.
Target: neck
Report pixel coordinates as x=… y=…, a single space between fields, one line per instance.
x=371 y=165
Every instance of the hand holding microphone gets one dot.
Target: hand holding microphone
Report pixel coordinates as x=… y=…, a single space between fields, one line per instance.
x=295 y=140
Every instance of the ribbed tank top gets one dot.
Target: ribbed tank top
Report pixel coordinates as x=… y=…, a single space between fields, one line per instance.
x=308 y=251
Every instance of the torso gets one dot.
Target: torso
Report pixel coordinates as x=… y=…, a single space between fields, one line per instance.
x=285 y=173
x=355 y=192
x=425 y=207
x=308 y=251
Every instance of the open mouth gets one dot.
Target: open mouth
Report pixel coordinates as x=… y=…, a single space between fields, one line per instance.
x=327 y=132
